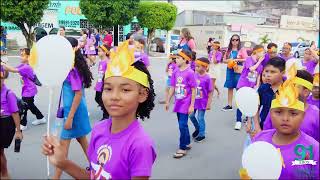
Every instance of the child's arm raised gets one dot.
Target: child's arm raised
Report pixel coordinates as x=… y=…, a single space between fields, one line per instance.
x=73 y=109
x=9 y=68
x=254 y=67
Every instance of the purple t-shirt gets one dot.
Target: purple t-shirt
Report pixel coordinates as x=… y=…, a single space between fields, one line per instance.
x=29 y=88
x=101 y=70
x=218 y=56
x=314 y=102
x=295 y=155
x=129 y=153
x=204 y=87
x=310 y=65
x=171 y=68
x=309 y=125
x=8 y=102
x=183 y=82
x=285 y=58
x=145 y=59
x=248 y=78
x=74 y=79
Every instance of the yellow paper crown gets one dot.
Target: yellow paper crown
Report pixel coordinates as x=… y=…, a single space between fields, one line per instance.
x=316 y=79
x=120 y=64
x=33 y=58
x=287 y=95
x=292 y=72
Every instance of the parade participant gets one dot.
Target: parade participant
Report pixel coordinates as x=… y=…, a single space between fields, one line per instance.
x=119 y=147
x=286 y=51
x=234 y=56
x=272 y=51
x=143 y=56
x=108 y=38
x=183 y=86
x=103 y=53
x=314 y=98
x=300 y=152
x=29 y=88
x=9 y=122
x=215 y=58
x=309 y=62
x=76 y=119
x=273 y=77
x=89 y=48
x=187 y=43
x=310 y=124
x=170 y=68
x=250 y=75
x=203 y=98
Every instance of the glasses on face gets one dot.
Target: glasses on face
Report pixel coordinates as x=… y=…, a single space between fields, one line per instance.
x=235 y=39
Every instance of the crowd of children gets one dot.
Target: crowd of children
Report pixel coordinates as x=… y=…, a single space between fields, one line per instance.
x=119 y=147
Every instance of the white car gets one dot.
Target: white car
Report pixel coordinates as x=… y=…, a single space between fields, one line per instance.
x=298 y=49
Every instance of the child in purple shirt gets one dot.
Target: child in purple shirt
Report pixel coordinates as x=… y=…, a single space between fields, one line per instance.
x=9 y=122
x=286 y=51
x=314 y=98
x=309 y=63
x=29 y=88
x=183 y=84
x=300 y=152
x=170 y=68
x=215 y=58
x=119 y=147
x=103 y=53
x=310 y=123
x=204 y=92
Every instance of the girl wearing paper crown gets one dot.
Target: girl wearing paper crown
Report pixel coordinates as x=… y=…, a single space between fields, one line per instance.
x=314 y=98
x=250 y=75
x=183 y=86
x=300 y=152
x=119 y=147
x=103 y=53
x=310 y=124
x=9 y=122
x=76 y=119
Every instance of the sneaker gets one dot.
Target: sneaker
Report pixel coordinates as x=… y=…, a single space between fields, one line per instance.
x=237 y=126
x=39 y=121
x=227 y=108
x=199 y=139
x=23 y=128
x=195 y=133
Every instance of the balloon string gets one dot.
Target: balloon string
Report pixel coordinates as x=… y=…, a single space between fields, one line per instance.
x=48 y=126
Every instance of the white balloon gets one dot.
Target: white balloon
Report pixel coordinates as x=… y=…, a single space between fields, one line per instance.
x=262 y=161
x=295 y=61
x=55 y=59
x=247 y=100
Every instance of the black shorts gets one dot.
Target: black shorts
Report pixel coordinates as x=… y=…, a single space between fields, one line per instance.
x=7 y=131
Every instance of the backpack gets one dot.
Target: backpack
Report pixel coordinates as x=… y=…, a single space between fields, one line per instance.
x=36 y=80
x=21 y=104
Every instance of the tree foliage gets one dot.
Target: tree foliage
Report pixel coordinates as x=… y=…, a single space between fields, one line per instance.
x=156 y=15
x=25 y=14
x=108 y=13
x=265 y=39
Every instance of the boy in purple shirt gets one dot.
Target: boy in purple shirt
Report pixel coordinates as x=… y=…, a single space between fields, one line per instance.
x=119 y=147
x=183 y=84
x=309 y=63
x=204 y=92
x=250 y=75
x=310 y=123
x=29 y=88
x=314 y=98
x=9 y=122
x=300 y=152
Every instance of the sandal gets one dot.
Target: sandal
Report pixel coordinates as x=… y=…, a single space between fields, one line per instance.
x=179 y=155
x=189 y=147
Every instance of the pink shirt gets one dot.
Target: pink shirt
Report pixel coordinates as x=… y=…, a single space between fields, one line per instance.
x=191 y=43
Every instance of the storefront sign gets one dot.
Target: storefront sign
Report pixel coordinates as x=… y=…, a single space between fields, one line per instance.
x=297 y=22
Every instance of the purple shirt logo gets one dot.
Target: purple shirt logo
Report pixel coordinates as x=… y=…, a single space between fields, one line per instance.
x=97 y=170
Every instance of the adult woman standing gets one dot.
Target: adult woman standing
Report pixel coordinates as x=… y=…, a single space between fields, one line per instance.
x=187 y=43
x=237 y=55
x=90 y=50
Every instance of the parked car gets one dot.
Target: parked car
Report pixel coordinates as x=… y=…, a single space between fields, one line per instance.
x=69 y=32
x=158 y=43
x=298 y=48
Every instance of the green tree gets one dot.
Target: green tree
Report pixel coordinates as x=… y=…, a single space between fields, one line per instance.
x=109 y=13
x=156 y=15
x=265 y=39
x=25 y=14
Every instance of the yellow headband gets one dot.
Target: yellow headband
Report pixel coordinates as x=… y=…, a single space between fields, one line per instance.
x=287 y=97
x=316 y=80
x=201 y=63
x=104 y=49
x=120 y=65
x=216 y=44
x=183 y=55
x=258 y=50
x=303 y=83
